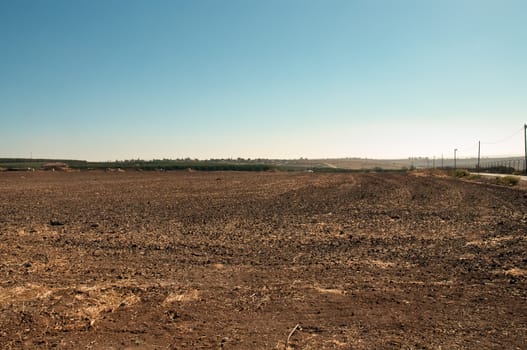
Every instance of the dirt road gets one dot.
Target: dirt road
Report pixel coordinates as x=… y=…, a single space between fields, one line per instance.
x=181 y=260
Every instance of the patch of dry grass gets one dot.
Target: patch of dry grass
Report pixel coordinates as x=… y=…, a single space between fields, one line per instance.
x=188 y=296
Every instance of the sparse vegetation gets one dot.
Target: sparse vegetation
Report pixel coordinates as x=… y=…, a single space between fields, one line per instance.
x=507 y=180
x=463 y=174
x=460 y=173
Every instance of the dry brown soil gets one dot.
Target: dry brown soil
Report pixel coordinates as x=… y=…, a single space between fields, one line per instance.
x=182 y=260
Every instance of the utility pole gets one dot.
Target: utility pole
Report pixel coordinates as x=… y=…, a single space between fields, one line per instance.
x=442 y=165
x=479 y=153
x=455 y=150
x=525 y=139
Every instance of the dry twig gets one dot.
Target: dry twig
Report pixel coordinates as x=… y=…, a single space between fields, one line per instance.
x=290 y=335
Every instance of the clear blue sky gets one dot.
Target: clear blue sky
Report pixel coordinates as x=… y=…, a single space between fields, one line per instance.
x=107 y=79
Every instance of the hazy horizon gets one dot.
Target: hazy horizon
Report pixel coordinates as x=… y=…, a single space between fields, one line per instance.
x=106 y=80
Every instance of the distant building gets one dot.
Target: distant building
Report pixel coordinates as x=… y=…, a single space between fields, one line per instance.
x=55 y=166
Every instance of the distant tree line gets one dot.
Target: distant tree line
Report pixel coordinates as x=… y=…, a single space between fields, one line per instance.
x=238 y=164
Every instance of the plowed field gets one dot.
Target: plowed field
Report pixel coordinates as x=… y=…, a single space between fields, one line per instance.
x=188 y=260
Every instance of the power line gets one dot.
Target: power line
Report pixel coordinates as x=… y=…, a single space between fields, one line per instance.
x=504 y=139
